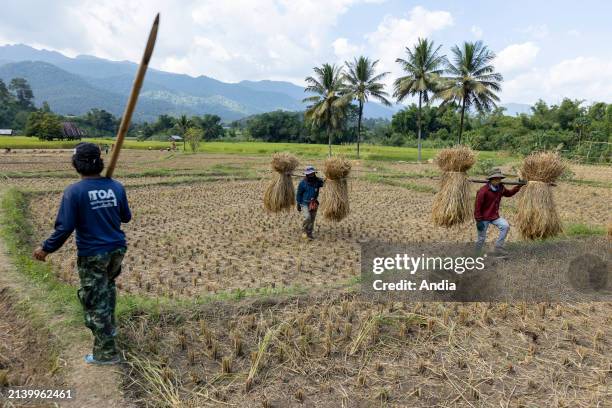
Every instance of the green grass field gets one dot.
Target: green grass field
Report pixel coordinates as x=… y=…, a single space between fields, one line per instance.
x=368 y=152
x=25 y=142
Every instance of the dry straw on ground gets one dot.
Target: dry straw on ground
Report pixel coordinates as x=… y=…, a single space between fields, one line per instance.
x=451 y=349
x=279 y=194
x=452 y=204
x=334 y=197
x=537 y=216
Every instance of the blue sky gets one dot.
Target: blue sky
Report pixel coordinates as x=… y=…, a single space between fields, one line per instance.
x=564 y=29
x=545 y=49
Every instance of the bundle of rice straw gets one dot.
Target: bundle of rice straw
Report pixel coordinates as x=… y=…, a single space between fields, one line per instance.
x=279 y=194
x=610 y=230
x=452 y=204
x=334 y=196
x=537 y=216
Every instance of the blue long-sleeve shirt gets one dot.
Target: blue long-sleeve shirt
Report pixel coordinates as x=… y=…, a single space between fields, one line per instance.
x=308 y=190
x=95 y=208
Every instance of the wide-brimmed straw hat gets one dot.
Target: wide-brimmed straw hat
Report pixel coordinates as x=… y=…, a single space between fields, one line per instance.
x=309 y=170
x=495 y=173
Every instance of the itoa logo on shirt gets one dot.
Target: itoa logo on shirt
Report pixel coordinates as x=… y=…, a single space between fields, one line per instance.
x=102 y=198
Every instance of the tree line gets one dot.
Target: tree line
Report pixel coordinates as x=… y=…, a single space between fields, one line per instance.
x=574 y=128
x=466 y=86
x=16 y=102
x=17 y=112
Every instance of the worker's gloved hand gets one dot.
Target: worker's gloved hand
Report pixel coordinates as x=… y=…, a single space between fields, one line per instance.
x=299 y=208
x=480 y=225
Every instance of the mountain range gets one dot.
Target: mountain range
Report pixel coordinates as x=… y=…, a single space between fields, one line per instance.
x=72 y=86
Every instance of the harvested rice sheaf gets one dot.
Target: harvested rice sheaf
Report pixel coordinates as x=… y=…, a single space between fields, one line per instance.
x=546 y=167
x=458 y=158
x=279 y=194
x=537 y=216
x=336 y=168
x=452 y=203
x=334 y=196
x=284 y=163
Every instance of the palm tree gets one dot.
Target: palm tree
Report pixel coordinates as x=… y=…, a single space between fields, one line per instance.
x=329 y=105
x=472 y=80
x=424 y=68
x=362 y=83
x=182 y=124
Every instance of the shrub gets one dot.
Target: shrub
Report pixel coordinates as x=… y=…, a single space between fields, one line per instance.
x=485 y=166
x=194 y=136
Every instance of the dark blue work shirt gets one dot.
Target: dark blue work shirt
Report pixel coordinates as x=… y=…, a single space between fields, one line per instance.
x=308 y=190
x=95 y=208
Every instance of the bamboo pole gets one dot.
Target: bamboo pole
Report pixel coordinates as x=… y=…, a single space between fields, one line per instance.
x=510 y=183
x=131 y=103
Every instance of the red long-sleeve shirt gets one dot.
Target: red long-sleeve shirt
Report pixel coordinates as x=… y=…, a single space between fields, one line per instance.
x=487 y=201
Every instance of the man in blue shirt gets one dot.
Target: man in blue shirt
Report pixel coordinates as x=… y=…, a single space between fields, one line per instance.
x=95 y=207
x=307 y=195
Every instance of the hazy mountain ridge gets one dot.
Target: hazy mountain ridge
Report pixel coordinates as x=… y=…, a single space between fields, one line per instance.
x=70 y=94
x=513 y=109
x=105 y=84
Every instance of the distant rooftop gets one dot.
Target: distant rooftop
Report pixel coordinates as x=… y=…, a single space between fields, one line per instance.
x=71 y=130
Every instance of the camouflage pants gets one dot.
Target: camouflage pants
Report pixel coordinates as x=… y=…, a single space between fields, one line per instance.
x=98 y=298
x=309 y=220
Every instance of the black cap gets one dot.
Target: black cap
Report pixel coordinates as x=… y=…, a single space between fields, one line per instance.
x=86 y=151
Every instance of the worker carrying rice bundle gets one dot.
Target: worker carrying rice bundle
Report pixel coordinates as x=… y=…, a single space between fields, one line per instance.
x=486 y=210
x=307 y=198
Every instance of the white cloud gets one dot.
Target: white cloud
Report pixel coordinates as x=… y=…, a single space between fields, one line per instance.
x=516 y=56
x=284 y=39
x=580 y=71
x=21 y=23
x=267 y=38
x=477 y=31
x=536 y=31
x=574 y=33
x=393 y=35
x=228 y=40
x=587 y=78
x=344 y=50
x=118 y=30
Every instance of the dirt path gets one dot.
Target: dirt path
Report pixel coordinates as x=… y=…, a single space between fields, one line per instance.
x=94 y=386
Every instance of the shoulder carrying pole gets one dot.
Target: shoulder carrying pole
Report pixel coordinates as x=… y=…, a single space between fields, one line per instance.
x=131 y=103
x=510 y=183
